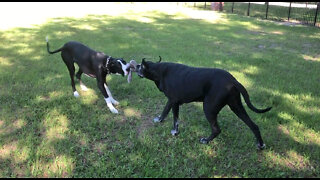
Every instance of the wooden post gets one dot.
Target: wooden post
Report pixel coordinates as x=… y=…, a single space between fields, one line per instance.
x=289 y=11
x=248 y=9
x=267 y=10
x=315 y=17
x=232 y=7
x=205 y=5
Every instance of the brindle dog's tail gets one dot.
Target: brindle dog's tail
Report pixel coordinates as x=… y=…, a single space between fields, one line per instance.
x=51 y=52
x=245 y=94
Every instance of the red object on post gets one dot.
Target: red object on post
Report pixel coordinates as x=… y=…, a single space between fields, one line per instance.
x=217 y=6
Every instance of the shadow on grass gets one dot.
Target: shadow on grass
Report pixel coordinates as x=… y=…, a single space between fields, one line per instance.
x=46 y=132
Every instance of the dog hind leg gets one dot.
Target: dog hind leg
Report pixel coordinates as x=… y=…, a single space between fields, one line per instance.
x=67 y=58
x=211 y=108
x=237 y=107
x=78 y=75
x=215 y=129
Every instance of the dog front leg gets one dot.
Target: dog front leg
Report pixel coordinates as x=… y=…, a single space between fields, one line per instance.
x=164 y=113
x=113 y=101
x=106 y=97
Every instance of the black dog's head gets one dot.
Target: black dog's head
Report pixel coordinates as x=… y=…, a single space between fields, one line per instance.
x=117 y=66
x=146 y=69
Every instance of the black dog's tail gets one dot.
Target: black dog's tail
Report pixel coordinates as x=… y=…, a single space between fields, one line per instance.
x=245 y=94
x=51 y=52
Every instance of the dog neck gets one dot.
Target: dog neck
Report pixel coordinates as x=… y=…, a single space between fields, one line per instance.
x=107 y=64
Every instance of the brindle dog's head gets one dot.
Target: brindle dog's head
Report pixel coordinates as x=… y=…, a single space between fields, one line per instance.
x=121 y=67
x=117 y=66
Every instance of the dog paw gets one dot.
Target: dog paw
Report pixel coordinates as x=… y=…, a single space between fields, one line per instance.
x=204 y=141
x=157 y=119
x=259 y=147
x=114 y=111
x=76 y=94
x=174 y=132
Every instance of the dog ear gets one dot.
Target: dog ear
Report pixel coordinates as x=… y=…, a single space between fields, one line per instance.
x=144 y=63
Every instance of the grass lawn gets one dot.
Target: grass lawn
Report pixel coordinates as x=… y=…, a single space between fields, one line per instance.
x=46 y=132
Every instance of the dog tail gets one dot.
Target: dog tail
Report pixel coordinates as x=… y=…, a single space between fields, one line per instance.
x=51 y=52
x=245 y=94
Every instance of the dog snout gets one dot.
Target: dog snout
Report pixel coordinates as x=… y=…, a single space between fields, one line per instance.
x=139 y=71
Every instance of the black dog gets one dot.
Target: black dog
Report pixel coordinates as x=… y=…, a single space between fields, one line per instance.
x=214 y=87
x=94 y=64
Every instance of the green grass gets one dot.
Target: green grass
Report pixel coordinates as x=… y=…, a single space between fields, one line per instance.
x=46 y=132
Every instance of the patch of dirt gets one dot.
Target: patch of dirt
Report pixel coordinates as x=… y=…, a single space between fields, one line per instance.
x=311 y=58
x=146 y=123
x=277 y=32
x=257 y=32
x=287 y=23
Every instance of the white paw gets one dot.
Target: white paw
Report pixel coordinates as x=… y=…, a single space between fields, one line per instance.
x=83 y=87
x=110 y=106
x=76 y=94
x=114 y=110
x=157 y=119
x=174 y=132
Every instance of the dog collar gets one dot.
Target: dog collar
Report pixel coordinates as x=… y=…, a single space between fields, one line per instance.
x=107 y=63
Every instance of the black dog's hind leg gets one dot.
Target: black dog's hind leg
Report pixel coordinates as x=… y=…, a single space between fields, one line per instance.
x=78 y=75
x=237 y=107
x=175 y=110
x=211 y=108
x=215 y=130
x=67 y=58
x=164 y=113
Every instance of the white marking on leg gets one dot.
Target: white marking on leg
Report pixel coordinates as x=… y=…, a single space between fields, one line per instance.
x=76 y=94
x=110 y=95
x=156 y=119
x=174 y=132
x=110 y=106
